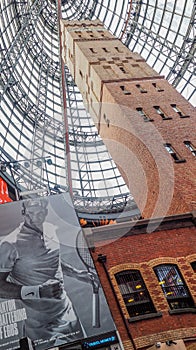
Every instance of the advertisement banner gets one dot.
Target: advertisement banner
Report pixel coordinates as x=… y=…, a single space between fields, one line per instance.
x=49 y=288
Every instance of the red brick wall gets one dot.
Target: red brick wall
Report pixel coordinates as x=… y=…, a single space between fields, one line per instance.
x=143 y=252
x=138 y=146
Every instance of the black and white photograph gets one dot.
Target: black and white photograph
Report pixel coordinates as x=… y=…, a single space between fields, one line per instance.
x=49 y=288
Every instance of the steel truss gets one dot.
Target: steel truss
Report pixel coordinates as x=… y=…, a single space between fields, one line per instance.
x=164 y=34
x=32 y=129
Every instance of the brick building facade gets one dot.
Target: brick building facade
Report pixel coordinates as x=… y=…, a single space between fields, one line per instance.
x=119 y=248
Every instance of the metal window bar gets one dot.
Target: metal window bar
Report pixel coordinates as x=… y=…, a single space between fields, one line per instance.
x=173 y=286
x=134 y=293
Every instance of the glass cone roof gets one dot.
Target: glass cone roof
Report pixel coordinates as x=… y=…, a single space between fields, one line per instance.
x=31 y=125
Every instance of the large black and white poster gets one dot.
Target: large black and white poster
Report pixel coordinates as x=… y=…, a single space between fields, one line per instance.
x=49 y=289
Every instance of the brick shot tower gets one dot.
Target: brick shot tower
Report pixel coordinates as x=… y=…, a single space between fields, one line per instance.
x=147 y=268
x=146 y=124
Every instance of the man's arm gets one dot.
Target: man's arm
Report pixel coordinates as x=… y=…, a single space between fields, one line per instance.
x=8 y=290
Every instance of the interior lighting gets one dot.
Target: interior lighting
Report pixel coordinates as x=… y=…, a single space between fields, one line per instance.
x=138 y=286
x=83 y=222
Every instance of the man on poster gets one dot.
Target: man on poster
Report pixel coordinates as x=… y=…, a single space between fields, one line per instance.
x=31 y=271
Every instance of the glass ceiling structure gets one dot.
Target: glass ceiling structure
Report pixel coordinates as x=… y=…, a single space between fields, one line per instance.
x=45 y=148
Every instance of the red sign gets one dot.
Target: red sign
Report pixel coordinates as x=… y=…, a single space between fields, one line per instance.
x=4 y=194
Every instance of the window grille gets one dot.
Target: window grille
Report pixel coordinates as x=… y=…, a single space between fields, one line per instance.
x=173 y=287
x=134 y=293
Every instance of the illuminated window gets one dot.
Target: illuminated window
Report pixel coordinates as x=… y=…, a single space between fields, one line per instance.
x=134 y=293
x=173 y=287
x=191 y=148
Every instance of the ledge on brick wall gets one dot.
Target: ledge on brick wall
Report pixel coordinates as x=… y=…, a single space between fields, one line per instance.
x=191 y=310
x=148 y=120
x=123 y=229
x=145 y=317
x=180 y=161
x=167 y=118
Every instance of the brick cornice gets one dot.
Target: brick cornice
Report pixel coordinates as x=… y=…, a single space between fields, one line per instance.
x=143 y=226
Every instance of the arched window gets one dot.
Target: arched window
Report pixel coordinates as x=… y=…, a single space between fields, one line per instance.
x=173 y=286
x=134 y=293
